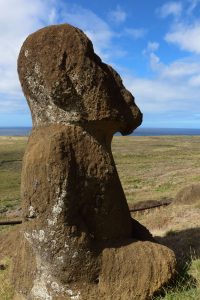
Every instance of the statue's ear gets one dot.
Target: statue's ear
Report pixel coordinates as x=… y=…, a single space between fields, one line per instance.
x=63 y=94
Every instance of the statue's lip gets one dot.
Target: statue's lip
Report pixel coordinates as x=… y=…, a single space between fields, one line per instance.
x=126 y=132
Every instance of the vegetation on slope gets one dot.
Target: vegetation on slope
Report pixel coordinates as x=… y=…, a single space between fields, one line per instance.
x=150 y=168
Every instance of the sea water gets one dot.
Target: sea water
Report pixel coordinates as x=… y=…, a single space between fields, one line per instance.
x=25 y=131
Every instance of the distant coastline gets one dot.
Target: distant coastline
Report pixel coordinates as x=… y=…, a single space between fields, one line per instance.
x=166 y=131
x=25 y=131
x=15 y=131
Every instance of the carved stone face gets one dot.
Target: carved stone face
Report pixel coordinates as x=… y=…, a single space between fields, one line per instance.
x=64 y=81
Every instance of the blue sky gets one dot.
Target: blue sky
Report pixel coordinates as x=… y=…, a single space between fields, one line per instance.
x=153 y=44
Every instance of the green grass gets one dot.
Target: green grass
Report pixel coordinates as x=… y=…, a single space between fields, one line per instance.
x=11 y=153
x=186 y=286
x=156 y=167
x=149 y=168
x=6 y=289
x=165 y=187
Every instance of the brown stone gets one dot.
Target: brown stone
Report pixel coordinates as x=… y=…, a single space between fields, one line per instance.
x=78 y=239
x=64 y=81
x=135 y=271
x=188 y=195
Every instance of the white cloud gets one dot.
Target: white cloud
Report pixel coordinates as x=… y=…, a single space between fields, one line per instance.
x=152 y=46
x=185 y=36
x=136 y=33
x=96 y=28
x=13 y=104
x=158 y=95
x=53 y=16
x=118 y=15
x=173 y=87
x=181 y=68
x=170 y=8
x=195 y=81
x=149 y=52
x=177 y=69
x=185 y=31
x=155 y=62
x=19 y=18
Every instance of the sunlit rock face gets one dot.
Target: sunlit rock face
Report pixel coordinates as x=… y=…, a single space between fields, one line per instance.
x=65 y=82
x=78 y=239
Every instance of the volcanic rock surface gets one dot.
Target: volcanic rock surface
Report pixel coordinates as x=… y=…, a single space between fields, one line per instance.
x=78 y=240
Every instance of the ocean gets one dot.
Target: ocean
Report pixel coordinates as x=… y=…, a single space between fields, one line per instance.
x=25 y=131
x=15 y=131
x=166 y=131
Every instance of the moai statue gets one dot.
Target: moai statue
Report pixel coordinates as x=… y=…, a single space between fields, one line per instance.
x=78 y=240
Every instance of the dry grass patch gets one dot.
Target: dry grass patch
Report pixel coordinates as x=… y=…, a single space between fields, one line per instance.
x=154 y=167
x=178 y=227
x=6 y=290
x=150 y=168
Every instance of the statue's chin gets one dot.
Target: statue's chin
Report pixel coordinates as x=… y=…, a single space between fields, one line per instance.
x=126 y=131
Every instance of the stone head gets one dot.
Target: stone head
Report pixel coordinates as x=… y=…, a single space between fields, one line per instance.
x=64 y=81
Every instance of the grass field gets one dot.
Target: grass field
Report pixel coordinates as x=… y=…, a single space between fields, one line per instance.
x=11 y=153
x=156 y=167
x=150 y=168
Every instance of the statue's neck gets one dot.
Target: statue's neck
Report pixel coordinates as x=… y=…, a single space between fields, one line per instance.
x=102 y=136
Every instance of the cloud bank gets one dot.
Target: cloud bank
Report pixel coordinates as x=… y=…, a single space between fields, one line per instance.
x=170 y=87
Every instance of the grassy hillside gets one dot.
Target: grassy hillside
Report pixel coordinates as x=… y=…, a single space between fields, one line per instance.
x=11 y=153
x=155 y=167
x=150 y=168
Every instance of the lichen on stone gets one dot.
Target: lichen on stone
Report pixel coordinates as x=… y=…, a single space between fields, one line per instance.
x=78 y=235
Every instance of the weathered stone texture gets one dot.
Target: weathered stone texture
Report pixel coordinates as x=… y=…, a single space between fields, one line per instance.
x=78 y=235
x=65 y=81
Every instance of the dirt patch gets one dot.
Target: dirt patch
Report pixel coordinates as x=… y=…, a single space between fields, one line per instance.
x=172 y=218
